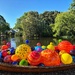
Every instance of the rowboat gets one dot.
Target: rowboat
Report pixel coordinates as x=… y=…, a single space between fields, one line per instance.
x=17 y=68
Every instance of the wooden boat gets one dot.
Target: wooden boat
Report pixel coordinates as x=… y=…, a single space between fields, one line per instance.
x=29 y=69
x=17 y=68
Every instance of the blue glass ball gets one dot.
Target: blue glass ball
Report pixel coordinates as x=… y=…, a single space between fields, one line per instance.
x=0 y=55
x=14 y=63
x=73 y=58
x=72 y=52
x=12 y=50
x=41 y=65
x=26 y=41
x=38 y=48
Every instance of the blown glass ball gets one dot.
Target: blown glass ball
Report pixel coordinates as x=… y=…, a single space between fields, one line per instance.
x=26 y=41
x=4 y=47
x=22 y=51
x=50 y=58
x=65 y=45
x=66 y=58
x=23 y=62
x=34 y=58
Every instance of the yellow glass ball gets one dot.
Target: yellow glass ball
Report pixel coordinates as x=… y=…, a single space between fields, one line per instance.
x=66 y=58
x=51 y=47
x=43 y=47
x=22 y=51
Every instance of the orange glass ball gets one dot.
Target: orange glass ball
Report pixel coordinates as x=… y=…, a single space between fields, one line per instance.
x=34 y=58
x=14 y=58
x=50 y=58
x=66 y=46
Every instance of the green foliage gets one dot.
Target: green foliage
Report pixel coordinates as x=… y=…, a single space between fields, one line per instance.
x=72 y=6
x=47 y=18
x=4 y=26
x=35 y=24
x=31 y=24
x=18 y=24
x=64 y=24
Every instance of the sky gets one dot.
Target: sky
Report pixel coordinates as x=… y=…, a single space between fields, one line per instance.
x=13 y=9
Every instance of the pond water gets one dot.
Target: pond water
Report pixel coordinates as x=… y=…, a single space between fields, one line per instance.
x=16 y=41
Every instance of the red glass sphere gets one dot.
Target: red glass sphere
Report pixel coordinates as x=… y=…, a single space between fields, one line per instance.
x=34 y=58
x=65 y=45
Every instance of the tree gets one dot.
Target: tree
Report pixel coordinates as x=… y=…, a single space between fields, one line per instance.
x=19 y=20
x=64 y=24
x=4 y=26
x=48 y=18
x=72 y=7
x=18 y=25
x=31 y=24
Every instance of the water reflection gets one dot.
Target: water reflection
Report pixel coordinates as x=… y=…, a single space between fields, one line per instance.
x=13 y=42
x=16 y=41
x=32 y=42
